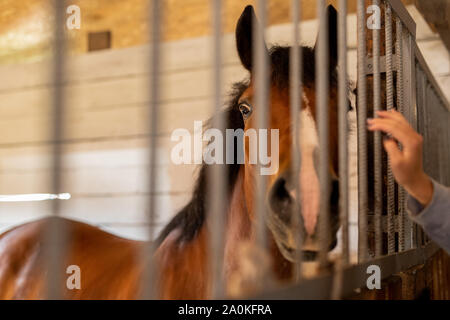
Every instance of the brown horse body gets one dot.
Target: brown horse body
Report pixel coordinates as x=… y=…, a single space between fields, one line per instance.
x=112 y=267
x=109 y=265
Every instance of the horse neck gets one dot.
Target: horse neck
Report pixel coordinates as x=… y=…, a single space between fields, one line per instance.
x=239 y=227
x=240 y=237
x=190 y=260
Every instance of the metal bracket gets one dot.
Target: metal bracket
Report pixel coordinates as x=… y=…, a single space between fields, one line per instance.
x=369 y=65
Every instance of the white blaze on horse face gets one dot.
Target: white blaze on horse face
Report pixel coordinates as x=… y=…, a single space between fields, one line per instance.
x=309 y=181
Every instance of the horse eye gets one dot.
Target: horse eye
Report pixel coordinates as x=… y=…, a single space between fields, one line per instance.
x=245 y=110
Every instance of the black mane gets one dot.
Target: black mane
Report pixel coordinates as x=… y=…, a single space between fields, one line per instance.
x=191 y=218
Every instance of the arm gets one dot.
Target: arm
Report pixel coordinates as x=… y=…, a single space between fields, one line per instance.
x=428 y=202
x=435 y=217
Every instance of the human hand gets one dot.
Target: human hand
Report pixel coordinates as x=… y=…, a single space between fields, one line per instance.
x=406 y=163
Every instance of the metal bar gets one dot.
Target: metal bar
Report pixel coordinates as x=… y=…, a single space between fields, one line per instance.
x=362 y=134
x=389 y=106
x=55 y=237
x=296 y=68
x=401 y=109
x=355 y=276
x=383 y=223
x=401 y=11
x=425 y=125
x=261 y=79
x=434 y=134
x=343 y=130
x=343 y=149
x=378 y=173
x=421 y=90
x=216 y=203
x=429 y=76
x=151 y=270
x=322 y=98
x=410 y=105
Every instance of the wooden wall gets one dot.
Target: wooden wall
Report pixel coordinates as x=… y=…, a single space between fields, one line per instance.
x=25 y=25
x=428 y=281
x=105 y=158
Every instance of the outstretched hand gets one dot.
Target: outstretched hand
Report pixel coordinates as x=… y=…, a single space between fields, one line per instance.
x=406 y=163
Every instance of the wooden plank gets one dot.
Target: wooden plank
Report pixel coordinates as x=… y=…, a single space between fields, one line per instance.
x=97 y=210
x=177 y=56
x=107 y=123
x=116 y=92
x=97 y=180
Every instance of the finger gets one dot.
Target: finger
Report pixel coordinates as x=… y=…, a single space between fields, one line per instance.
x=394 y=115
x=371 y=122
x=402 y=124
x=391 y=147
x=391 y=127
x=388 y=122
x=385 y=113
x=395 y=123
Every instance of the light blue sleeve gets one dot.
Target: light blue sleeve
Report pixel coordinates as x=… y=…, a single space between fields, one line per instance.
x=435 y=217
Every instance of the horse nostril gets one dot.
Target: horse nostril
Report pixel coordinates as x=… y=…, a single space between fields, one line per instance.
x=280 y=200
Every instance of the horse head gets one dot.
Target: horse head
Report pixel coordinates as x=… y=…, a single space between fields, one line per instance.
x=281 y=199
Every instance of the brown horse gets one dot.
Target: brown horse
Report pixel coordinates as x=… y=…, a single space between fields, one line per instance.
x=111 y=267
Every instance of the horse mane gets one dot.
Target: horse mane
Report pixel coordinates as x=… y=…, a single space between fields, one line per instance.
x=190 y=219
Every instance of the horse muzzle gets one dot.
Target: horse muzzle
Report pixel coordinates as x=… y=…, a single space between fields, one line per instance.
x=284 y=204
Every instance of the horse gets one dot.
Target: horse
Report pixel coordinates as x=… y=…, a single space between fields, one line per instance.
x=113 y=268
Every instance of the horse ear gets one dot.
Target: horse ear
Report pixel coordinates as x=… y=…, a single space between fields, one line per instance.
x=332 y=36
x=244 y=36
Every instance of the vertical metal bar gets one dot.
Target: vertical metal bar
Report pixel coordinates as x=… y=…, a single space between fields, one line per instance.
x=426 y=134
x=400 y=106
x=410 y=102
x=151 y=270
x=216 y=203
x=261 y=76
x=419 y=127
x=322 y=98
x=55 y=237
x=343 y=132
x=389 y=106
x=421 y=124
x=378 y=174
x=362 y=134
x=296 y=68
x=343 y=148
